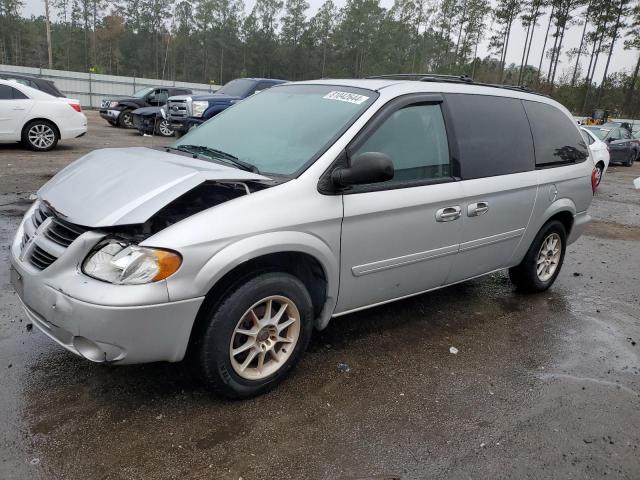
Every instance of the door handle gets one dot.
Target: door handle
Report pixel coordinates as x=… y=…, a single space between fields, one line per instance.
x=477 y=209
x=18 y=108
x=448 y=214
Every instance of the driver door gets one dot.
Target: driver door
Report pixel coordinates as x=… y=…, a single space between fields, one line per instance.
x=400 y=237
x=618 y=147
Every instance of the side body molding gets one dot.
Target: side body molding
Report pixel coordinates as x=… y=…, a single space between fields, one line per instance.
x=249 y=248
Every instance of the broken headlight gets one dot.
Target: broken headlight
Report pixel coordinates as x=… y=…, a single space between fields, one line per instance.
x=121 y=263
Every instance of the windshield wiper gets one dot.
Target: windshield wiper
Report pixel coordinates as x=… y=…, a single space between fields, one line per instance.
x=219 y=154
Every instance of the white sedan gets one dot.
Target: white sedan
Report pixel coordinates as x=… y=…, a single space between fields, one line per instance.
x=37 y=119
x=599 y=151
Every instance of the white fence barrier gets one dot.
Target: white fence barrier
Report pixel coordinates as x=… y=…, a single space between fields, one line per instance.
x=90 y=88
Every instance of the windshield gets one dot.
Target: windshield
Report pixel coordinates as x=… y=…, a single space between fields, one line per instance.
x=237 y=88
x=281 y=129
x=601 y=133
x=143 y=92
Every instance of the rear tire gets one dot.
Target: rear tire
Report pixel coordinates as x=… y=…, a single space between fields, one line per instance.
x=543 y=261
x=40 y=135
x=600 y=173
x=242 y=350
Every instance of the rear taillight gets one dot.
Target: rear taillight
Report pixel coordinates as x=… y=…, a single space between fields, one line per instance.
x=76 y=107
x=594 y=180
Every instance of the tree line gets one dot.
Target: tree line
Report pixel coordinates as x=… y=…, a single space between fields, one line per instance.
x=213 y=41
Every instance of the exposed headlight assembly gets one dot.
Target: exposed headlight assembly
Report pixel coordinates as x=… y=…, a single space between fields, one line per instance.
x=113 y=104
x=121 y=263
x=199 y=107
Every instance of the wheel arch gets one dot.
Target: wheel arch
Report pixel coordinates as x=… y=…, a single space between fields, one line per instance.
x=41 y=119
x=300 y=254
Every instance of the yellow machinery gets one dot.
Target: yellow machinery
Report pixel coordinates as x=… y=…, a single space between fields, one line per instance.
x=598 y=117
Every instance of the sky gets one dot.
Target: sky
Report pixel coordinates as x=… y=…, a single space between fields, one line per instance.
x=621 y=59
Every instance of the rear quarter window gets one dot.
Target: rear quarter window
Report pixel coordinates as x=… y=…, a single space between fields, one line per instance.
x=556 y=139
x=492 y=134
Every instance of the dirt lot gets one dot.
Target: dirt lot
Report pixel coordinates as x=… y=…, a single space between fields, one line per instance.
x=543 y=386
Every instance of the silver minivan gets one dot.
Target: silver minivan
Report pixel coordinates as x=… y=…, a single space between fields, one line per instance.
x=305 y=202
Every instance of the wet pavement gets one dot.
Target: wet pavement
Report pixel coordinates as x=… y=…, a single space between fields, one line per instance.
x=542 y=386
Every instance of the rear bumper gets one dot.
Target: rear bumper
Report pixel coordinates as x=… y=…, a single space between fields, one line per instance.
x=580 y=222
x=122 y=334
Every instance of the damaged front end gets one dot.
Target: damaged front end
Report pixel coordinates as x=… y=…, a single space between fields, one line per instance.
x=125 y=196
x=46 y=235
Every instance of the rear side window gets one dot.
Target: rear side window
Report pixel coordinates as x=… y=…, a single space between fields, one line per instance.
x=5 y=92
x=556 y=138
x=587 y=137
x=493 y=135
x=10 y=93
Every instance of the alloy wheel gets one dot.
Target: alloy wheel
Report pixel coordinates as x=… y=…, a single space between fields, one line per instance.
x=265 y=337
x=549 y=257
x=127 y=119
x=41 y=136
x=165 y=129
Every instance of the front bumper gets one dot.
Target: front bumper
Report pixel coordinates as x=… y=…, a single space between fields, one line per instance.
x=100 y=321
x=145 y=124
x=110 y=115
x=185 y=124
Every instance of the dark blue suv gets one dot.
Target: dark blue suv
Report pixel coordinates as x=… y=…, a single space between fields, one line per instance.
x=188 y=111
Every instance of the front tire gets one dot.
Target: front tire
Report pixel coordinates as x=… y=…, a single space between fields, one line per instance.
x=163 y=128
x=125 y=119
x=543 y=261
x=255 y=336
x=40 y=135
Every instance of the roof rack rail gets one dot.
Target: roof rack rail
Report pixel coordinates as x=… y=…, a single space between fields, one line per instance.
x=434 y=77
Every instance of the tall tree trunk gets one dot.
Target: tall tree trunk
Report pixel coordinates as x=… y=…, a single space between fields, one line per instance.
x=584 y=32
x=553 y=50
x=48 y=25
x=546 y=37
x=506 y=47
x=614 y=37
x=462 y=21
x=595 y=64
x=524 y=50
x=564 y=27
x=533 y=28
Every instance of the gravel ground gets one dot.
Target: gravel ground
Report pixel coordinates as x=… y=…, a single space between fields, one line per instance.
x=542 y=386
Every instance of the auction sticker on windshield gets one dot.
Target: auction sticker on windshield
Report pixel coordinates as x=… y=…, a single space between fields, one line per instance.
x=346 y=97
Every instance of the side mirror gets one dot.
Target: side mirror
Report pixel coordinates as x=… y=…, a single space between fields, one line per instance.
x=609 y=140
x=368 y=167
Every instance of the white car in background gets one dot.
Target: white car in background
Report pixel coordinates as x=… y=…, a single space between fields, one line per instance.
x=37 y=119
x=599 y=151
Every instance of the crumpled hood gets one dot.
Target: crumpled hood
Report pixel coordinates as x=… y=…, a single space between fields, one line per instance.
x=123 y=186
x=146 y=111
x=215 y=98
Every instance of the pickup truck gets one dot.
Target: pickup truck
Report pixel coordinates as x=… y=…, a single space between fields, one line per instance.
x=118 y=111
x=189 y=111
